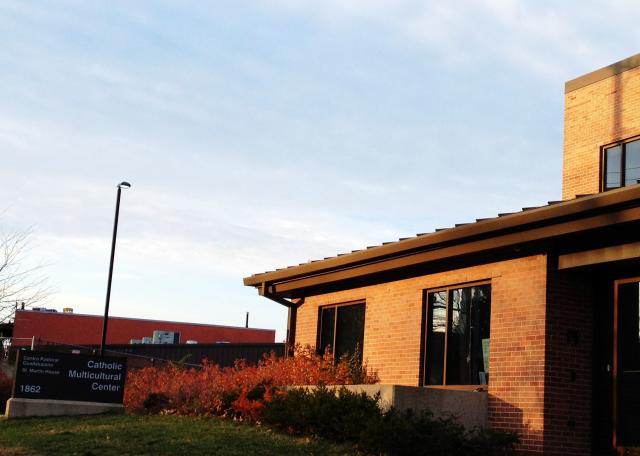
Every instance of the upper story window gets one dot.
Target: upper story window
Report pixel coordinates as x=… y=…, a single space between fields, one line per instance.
x=457 y=335
x=341 y=329
x=621 y=165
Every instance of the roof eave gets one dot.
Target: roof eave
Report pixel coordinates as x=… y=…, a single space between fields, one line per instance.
x=456 y=238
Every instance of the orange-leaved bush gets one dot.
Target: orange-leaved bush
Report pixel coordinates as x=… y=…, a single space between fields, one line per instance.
x=238 y=391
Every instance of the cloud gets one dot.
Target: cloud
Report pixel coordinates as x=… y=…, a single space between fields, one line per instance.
x=549 y=39
x=261 y=137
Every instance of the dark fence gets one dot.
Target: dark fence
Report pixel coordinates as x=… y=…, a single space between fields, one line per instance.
x=223 y=355
x=142 y=355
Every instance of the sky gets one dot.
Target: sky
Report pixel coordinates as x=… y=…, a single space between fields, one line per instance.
x=261 y=134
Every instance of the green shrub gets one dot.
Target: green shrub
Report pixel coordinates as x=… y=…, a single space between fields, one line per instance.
x=321 y=412
x=396 y=433
x=156 y=403
x=355 y=417
x=490 y=442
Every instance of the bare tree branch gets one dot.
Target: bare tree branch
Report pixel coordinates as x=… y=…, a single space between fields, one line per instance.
x=20 y=281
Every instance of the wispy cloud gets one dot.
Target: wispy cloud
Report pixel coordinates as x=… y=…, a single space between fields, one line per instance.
x=547 y=38
x=264 y=134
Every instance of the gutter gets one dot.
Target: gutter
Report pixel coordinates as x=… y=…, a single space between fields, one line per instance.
x=292 y=315
x=264 y=290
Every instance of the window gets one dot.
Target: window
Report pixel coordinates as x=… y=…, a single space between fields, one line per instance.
x=457 y=335
x=621 y=165
x=341 y=328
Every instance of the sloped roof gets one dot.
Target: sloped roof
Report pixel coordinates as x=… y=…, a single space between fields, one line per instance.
x=465 y=234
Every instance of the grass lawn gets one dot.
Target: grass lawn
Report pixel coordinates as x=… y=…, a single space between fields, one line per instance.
x=151 y=435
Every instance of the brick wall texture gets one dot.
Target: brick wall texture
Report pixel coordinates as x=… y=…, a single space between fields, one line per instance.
x=518 y=336
x=540 y=358
x=598 y=114
x=569 y=348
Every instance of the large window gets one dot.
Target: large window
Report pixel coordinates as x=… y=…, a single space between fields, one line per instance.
x=621 y=165
x=457 y=335
x=341 y=329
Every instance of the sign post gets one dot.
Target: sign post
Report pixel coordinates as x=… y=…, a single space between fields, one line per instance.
x=50 y=383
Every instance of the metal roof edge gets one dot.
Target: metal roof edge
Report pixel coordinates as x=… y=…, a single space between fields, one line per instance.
x=456 y=235
x=602 y=73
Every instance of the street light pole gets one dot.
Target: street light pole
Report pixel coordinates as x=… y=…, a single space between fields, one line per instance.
x=121 y=185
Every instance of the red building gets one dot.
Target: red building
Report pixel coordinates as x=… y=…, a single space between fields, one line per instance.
x=78 y=329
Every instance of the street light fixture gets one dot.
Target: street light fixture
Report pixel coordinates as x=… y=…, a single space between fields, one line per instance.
x=121 y=185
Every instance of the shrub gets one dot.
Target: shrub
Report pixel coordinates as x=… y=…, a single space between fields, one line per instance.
x=237 y=391
x=256 y=393
x=321 y=411
x=488 y=441
x=357 y=418
x=396 y=433
x=156 y=403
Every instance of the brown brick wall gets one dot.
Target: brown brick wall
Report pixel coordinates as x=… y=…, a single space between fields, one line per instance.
x=595 y=115
x=517 y=360
x=568 y=378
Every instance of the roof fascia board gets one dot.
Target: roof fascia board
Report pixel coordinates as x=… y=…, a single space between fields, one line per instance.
x=622 y=252
x=579 y=207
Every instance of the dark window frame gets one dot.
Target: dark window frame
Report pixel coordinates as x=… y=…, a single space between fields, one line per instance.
x=623 y=158
x=319 y=349
x=425 y=337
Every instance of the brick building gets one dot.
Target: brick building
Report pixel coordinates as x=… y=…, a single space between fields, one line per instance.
x=78 y=329
x=539 y=309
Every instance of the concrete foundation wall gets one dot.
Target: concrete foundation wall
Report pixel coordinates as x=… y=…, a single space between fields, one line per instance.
x=470 y=407
x=23 y=408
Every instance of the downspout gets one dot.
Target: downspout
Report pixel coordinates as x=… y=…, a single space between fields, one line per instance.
x=292 y=316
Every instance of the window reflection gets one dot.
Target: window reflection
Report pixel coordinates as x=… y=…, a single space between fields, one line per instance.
x=435 y=338
x=341 y=330
x=464 y=342
x=621 y=165
x=613 y=168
